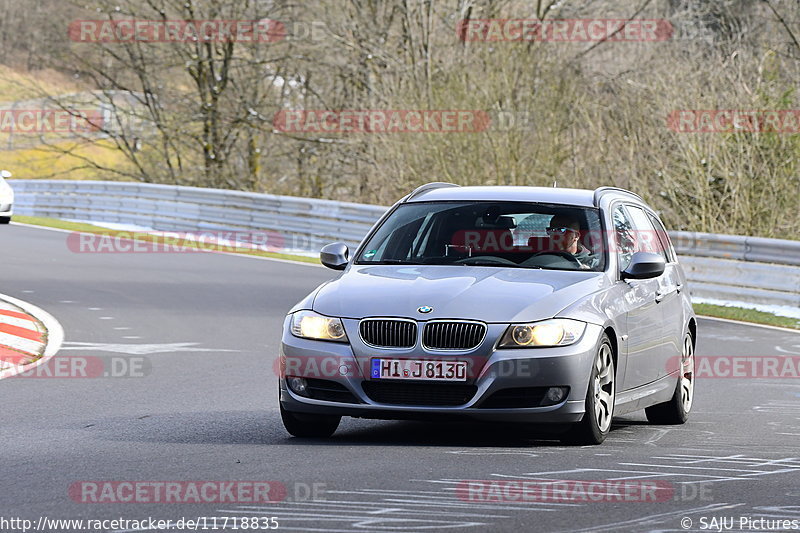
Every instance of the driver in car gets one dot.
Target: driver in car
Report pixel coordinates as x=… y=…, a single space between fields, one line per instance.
x=564 y=233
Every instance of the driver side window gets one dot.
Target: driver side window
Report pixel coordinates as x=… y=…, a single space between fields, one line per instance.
x=624 y=237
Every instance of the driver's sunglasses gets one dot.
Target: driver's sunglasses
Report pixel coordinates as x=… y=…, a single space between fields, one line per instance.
x=561 y=231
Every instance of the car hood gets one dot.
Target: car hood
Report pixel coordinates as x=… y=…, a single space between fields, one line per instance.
x=489 y=294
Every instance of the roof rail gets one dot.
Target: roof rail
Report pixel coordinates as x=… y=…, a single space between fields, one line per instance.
x=429 y=187
x=601 y=190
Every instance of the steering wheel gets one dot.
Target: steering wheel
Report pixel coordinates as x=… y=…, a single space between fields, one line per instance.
x=566 y=255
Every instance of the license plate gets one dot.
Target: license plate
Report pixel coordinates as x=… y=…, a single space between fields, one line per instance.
x=419 y=369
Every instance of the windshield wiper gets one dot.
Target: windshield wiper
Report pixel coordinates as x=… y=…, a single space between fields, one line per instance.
x=490 y=263
x=388 y=262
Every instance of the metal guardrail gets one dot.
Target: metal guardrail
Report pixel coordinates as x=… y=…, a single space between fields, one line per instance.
x=737 y=247
x=305 y=223
x=741 y=281
x=740 y=268
x=729 y=267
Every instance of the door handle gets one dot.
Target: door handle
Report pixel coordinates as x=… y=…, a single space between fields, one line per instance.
x=660 y=296
x=679 y=287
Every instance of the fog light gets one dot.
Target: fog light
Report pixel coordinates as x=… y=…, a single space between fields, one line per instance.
x=297 y=385
x=555 y=395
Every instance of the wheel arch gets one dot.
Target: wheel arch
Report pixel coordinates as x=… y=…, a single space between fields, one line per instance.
x=612 y=338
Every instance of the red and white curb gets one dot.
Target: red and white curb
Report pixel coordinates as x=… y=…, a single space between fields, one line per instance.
x=26 y=333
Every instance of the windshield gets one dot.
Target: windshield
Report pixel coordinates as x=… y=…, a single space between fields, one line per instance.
x=490 y=234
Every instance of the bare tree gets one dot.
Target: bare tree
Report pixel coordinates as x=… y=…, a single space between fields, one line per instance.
x=581 y=113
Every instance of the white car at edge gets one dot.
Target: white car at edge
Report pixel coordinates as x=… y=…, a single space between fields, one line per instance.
x=6 y=198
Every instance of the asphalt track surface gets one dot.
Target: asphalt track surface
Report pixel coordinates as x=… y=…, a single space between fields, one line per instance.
x=202 y=331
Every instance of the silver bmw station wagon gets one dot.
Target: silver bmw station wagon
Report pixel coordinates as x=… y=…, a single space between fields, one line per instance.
x=523 y=305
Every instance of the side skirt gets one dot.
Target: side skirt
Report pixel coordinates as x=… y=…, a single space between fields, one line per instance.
x=658 y=391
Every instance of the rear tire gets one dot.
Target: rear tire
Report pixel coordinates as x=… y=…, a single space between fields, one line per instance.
x=600 y=396
x=676 y=410
x=309 y=425
x=5 y=220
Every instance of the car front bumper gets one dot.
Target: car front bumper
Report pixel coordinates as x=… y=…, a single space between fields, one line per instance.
x=493 y=370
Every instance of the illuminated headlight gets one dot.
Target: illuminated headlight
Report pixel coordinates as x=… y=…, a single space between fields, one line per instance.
x=555 y=332
x=310 y=325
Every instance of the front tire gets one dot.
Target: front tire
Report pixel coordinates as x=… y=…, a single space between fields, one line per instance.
x=5 y=220
x=600 y=396
x=676 y=410
x=309 y=425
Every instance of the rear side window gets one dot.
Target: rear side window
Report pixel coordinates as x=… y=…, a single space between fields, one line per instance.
x=646 y=238
x=663 y=237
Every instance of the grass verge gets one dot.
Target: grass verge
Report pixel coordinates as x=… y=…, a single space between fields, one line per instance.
x=746 y=315
x=31 y=158
x=175 y=244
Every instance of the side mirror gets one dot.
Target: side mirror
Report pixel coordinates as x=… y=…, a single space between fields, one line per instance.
x=5 y=174
x=644 y=265
x=335 y=255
